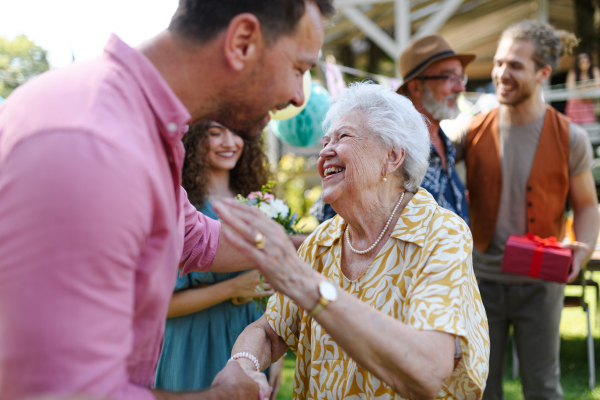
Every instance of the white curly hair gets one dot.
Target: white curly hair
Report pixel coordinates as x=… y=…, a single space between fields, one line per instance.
x=393 y=119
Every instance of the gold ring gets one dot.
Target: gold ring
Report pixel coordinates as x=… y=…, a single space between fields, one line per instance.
x=260 y=241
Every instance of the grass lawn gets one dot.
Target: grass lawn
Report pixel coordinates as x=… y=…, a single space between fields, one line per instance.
x=573 y=356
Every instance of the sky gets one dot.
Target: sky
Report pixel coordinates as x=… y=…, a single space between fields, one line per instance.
x=83 y=26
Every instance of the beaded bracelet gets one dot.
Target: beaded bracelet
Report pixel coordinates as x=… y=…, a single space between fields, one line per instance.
x=248 y=356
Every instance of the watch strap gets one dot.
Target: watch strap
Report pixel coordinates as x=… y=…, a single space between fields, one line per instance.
x=319 y=307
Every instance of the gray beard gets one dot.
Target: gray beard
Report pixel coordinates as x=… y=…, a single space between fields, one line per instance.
x=439 y=110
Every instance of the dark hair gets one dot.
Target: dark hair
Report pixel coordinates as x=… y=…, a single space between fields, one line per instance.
x=201 y=20
x=578 y=70
x=249 y=174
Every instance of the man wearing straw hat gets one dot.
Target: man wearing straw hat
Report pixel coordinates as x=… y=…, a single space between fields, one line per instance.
x=433 y=78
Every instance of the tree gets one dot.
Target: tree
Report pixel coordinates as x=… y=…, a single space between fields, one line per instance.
x=20 y=60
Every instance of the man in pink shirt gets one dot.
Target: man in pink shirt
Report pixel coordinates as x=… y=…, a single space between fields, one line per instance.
x=93 y=222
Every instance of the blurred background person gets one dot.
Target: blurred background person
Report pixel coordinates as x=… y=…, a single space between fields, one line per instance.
x=524 y=161
x=209 y=310
x=585 y=73
x=434 y=77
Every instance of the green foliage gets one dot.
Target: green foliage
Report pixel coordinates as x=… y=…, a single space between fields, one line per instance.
x=299 y=195
x=20 y=60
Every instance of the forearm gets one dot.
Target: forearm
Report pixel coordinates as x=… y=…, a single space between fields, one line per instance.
x=262 y=342
x=586 y=222
x=229 y=259
x=192 y=300
x=570 y=83
x=414 y=363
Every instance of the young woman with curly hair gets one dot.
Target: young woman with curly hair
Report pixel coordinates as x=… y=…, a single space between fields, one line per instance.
x=209 y=310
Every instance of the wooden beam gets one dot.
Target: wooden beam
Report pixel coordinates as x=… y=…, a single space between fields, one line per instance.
x=438 y=19
x=354 y=3
x=373 y=31
x=543 y=11
x=401 y=24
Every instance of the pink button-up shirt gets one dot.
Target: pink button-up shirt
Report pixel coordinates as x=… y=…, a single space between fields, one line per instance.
x=93 y=224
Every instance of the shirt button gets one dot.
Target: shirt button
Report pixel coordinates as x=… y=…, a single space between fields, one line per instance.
x=172 y=127
x=531 y=220
x=529 y=204
x=529 y=188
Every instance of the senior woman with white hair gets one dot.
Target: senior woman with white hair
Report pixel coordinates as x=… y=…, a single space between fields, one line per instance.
x=382 y=301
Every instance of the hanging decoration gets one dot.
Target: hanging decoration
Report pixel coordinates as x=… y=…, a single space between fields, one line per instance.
x=305 y=129
x=335 y=79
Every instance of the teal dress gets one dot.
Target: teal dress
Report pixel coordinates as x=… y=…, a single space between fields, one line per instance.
x=197 y=346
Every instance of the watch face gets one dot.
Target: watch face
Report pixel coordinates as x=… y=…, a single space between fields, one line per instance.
x=328 y=290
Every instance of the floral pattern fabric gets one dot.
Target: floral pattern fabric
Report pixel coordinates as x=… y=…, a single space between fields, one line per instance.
x=423 y=277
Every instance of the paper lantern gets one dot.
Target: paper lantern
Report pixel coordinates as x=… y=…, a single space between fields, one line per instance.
x=305 y=129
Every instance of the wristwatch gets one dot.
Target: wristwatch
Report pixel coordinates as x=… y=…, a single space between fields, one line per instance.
x=328 y=293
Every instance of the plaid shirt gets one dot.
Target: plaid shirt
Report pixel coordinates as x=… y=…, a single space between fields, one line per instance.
x=444 y=184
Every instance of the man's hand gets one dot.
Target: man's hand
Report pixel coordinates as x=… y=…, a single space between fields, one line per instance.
x=586 y=219
x=230 y=383
x=248 y=367
x=581 y=253
x=233 y=379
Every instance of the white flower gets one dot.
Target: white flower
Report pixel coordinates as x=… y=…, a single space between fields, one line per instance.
x=279 y=208
x=267 y=209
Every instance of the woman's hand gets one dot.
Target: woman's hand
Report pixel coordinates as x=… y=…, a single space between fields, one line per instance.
x=277 y=260
x=264 y=389
x=231 y=379
x=246 y=284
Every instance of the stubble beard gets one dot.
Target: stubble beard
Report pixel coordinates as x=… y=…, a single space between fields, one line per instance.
x=524 y=96
x=439 y=110
x=239 y=107
x=237 y=117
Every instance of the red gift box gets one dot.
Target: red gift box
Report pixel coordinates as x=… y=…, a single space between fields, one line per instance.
x=533 y=256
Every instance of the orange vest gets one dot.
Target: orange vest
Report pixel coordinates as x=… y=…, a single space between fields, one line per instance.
x=547 y=187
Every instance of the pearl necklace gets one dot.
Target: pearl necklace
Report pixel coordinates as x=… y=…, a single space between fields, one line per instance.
x=380 y=235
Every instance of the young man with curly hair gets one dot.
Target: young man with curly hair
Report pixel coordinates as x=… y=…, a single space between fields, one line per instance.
x=524 y=161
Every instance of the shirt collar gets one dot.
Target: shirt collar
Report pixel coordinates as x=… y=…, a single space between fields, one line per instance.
x=412 y=226
x=168 y=109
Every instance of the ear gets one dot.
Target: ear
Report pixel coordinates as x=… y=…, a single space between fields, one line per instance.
x=544 y=74
x=243 y=41
x=393 y=162
x=414 y=89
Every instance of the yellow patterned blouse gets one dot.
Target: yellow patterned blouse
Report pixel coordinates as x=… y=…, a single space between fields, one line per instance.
x=423 y=276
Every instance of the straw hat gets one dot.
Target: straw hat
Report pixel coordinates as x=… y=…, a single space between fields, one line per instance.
x=422 y=53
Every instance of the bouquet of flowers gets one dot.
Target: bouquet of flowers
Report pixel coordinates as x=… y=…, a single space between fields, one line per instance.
x=276 y=209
